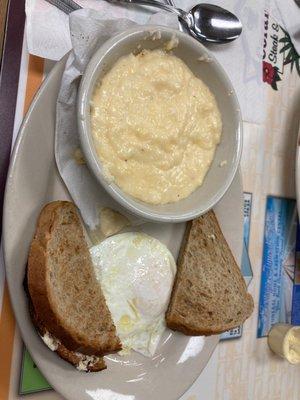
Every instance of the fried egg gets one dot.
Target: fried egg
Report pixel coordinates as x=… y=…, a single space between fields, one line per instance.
x=136 y=273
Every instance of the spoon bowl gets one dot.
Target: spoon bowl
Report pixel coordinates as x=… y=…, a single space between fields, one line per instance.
x=213 y=24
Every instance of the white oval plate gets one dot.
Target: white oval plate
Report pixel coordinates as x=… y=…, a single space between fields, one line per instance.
x=33 y=180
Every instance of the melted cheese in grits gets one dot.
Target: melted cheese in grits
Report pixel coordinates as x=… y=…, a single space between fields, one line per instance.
x=155 y=126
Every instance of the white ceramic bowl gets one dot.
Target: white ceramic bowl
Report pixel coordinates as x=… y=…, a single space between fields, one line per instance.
x=220 y=174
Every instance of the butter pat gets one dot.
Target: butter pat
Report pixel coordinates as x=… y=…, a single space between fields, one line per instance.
x=112 y=222
x=284 y=340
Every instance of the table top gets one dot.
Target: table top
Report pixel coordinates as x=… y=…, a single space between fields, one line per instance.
x=242 y=368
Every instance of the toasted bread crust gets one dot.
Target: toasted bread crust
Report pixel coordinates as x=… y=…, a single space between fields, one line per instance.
x=72 y=358
x=178 y=324
x=67 y=355
x=170 y=317
x=44 y=309
x=176 y=320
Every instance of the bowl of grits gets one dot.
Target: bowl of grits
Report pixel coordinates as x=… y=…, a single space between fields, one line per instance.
x=159 y=124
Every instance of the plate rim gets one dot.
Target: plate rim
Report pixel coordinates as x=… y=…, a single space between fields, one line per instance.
x=7 y=194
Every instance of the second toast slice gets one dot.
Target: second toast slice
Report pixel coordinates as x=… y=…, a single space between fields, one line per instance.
x=209 y=295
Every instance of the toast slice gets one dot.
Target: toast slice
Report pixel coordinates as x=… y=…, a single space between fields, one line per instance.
x=209 y=294
x=66 y=297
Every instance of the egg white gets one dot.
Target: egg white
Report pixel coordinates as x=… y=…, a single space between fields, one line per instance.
x=136 y=273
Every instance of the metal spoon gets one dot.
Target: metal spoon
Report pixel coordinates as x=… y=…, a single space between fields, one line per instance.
x=206 y=22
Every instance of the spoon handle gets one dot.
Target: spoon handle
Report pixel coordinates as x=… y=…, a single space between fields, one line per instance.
x=154 y=3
